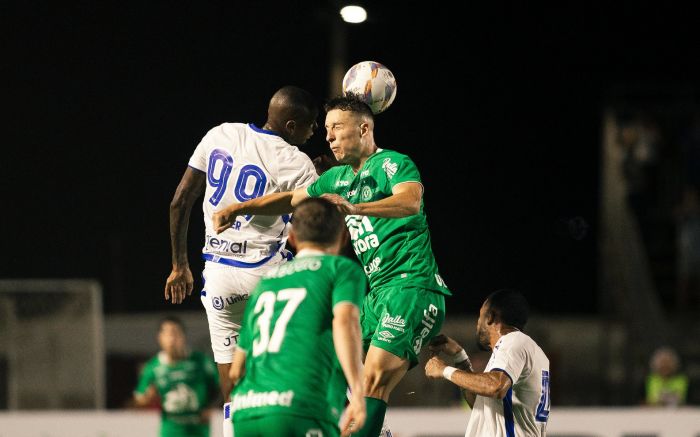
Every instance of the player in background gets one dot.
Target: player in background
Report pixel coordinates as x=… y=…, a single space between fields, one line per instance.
x=301 y=316
x=511 y=396
x=185 y=384
x=381 y=193
x=235 y=162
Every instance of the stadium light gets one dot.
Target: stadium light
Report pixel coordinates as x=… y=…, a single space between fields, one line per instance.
x=353 y=14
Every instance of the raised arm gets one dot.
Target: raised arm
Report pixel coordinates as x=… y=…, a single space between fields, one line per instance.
x=348 y=346
x=180 y=282
x=270 y=204
x=404 y=201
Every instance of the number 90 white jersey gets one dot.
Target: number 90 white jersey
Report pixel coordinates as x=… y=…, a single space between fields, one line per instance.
x=242 y=162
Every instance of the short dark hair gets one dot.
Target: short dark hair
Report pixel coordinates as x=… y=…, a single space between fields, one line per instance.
x=317 y=220
x=509 y=306
x=350 y=102
x=171 y=319
x=299 y=104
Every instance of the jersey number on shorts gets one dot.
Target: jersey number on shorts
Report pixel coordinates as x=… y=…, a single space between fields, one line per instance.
x=543 y=407
x=266 y=304
x=220 y=165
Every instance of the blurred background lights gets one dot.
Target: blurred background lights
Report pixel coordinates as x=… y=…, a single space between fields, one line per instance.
x=353 y=14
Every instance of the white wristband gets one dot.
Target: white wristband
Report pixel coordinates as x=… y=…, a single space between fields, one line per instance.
x=447 y=372
x=460 y=356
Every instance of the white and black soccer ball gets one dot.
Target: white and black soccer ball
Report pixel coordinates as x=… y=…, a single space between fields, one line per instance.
x=373 y=83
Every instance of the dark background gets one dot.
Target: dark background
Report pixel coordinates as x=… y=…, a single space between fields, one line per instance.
x=499 y=107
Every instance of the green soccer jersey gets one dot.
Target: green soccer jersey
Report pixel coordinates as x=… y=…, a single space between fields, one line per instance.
x=394 y=251
x=185 y=387
x=291 y=367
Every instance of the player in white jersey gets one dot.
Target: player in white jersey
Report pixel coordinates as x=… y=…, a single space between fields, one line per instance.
x=235 y=162
x=511 y=397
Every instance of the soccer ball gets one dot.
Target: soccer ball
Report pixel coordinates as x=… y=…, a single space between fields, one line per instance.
x=373 y=83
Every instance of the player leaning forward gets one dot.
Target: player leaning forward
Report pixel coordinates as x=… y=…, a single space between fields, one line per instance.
x=235 y=162
x=381 y=193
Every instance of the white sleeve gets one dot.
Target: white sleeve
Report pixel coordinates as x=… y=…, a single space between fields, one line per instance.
x=510 y=357
x=295 y=171
x=198 y=160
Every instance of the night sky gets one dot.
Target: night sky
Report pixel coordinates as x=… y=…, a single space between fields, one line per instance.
x=499 y=107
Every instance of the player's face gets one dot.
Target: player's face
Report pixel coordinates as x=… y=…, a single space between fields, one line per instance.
x=344 y=135
x=304 y=129
x=482 y=333
x=171 y=339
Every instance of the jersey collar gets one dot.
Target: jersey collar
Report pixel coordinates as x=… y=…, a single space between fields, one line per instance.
x=263 y=131
x=309 y=252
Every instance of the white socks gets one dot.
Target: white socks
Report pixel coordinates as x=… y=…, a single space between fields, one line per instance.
x=228 y=424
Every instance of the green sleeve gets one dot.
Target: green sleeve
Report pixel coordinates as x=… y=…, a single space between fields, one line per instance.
x=402 y=169
x=350 y=283
x=324 y=184
x=146 y=378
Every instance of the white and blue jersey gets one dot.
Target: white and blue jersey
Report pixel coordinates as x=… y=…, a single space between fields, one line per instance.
x=243 y=162
x=524 y=411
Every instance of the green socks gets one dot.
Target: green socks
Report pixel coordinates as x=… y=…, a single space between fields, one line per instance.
x=376 y=409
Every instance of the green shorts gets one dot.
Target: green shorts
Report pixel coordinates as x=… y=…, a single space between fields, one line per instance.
x=401 y=320
x=283 y=425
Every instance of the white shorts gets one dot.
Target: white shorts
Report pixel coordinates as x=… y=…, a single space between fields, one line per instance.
x=224 y=296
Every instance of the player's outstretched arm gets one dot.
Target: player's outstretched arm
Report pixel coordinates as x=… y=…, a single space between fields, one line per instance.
x=180 y=282
x=404 y=201
x=348 y=346
x=269 y=204
x=493 y=384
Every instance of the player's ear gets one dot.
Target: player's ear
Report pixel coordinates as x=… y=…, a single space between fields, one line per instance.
x=291 y=126
x=292 y=238
x=490 y=317
x=364 y=128
x=345 y=236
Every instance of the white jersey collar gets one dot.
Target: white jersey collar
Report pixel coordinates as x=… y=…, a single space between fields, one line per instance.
x=309 y=252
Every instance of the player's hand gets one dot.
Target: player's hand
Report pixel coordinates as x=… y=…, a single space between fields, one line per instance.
x=354 y=418
x=179 y=284
x=343 y=205
x=323 y=163
x=434 y=368
x=224 y=219
x=444 y=344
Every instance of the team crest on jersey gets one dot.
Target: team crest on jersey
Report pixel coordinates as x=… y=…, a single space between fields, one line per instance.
x=390 y=168
x=366 y=193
